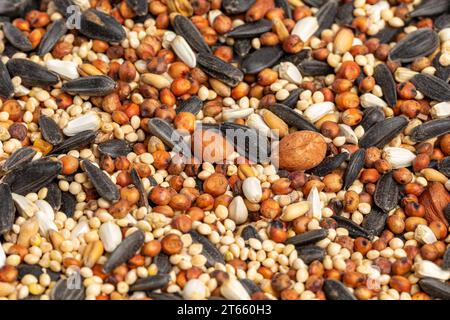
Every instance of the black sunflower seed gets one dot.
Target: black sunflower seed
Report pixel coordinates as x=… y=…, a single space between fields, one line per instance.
x=193 y=105
x=162 y=263
x=420 y=43
x=432 y=87
x=330 y=164
x=164 y=296
x=7 y=209
x=383 y=132
x=314 y=68
x=96 y=24
x=16 y=37
x=250 y=232
x=315 y=3
x=375 y=221
x=355 y=164
x=385 y=80
x=431 y=129
x=6 y=86
x=125 y=250
x=185 y=28
x=242 y=47
x=170 y=137
x=293 y=98
x=33 y=176
x=236 y=6
x=284 y=4
x=260 y=59
x=151 y=283
x=299 y=57
x=63 y=5
x=36 y=270
x=309 y=237
x=52 y=36
x=14 y=8
x=143 y=200
x=430 y=8
x=336 y=290
x=446 y=258
x=219 y=69
x=435 y=288
x=251 y=29
x=250 y=286
x=32 y=74
x=386 y=193
x=54 y=196
x=371 y=116
x=292 y=118
x=50 y=130
x=353 y=229
x=345 y=14
x=18 y=159
x=140 y=7
x=326 y=15
x=211 y=253
x=68 y=203
x=444 y=166
x=81 y=139
x=387 y=34
x=102 y=183
x=94 y=86
x=114 y=148
x=311 y=253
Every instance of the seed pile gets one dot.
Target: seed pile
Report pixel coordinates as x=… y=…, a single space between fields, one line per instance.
x=98 y=121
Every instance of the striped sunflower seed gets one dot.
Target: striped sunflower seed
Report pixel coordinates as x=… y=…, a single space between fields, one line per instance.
x=96 y=24
x=442 y=72
x=444 y=166
x=355 y=164
x=293 y=98
x=33 y=176
x=62 y=6
x=430 y=8
x=114 y=148
x=18 y=159
x=431 y=129
x=54 y=196
x=383 y=132
x=386 y=193
x=31 y=73
x=136 y=179
x=64 y=291
x=385 y=80
x=7 y=209
x=314 y=68
x=12 y=8
x=126 y=250
x=371 y=116
x=16 y=37
x=211 y=253
x=375 y=221
x=250 y=286
x=432 y=87
x=68 y=204
x=193 y=105
x=50 y=130
x=242 y=47
x=330 y=164
x=420 y=43
x=170 y=137
x=326 y=15
x=52 y=36
x=94 y=86
x=284 y=4
x=77 y=141
x=6 y=86
x=185 y=28
x=311 y=253
x=219 y=69
x=387 y=34
x=162 y=263
x=101 y=182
